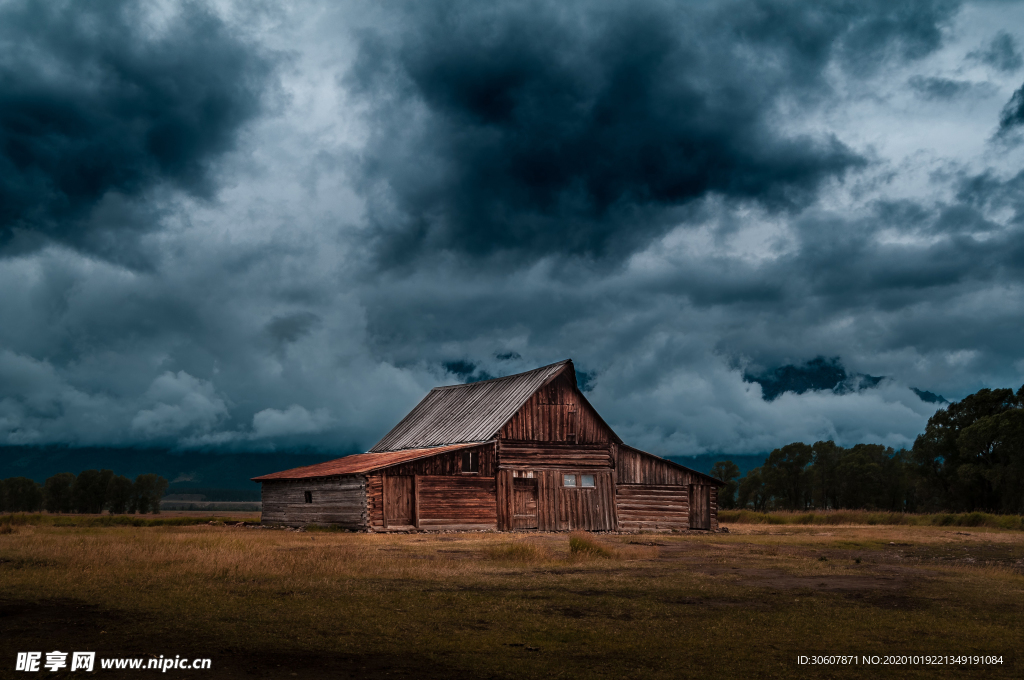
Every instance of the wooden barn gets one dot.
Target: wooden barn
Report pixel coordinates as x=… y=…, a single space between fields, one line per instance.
x=523 y=452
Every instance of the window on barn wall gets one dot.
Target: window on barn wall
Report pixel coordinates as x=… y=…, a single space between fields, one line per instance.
x=587 y=481
x=471 y=461
x=569 y=480
x=309 y=496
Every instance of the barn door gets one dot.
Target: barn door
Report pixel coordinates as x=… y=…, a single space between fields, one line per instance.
x=524 y=503
x=398 y=501
x=700 y=506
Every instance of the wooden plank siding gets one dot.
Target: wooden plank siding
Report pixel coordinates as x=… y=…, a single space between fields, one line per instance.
x=375 y=501
x=528 y=455
x=645 y=507
x=557 y=412
x=449 y=463
x=588 y=509
x=339 y=501
x=638 y=467
x=456 y=503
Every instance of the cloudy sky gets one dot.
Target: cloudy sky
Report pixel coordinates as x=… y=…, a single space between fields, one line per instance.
x=246 y=226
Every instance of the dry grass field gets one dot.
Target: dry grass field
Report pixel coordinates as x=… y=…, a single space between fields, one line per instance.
x=267 y=603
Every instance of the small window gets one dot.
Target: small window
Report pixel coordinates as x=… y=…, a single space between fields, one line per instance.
x=587 y=481
x=470 y=461
x=309 y=496
x=569 y=480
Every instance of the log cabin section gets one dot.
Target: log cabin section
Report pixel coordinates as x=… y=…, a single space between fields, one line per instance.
x=519 y=453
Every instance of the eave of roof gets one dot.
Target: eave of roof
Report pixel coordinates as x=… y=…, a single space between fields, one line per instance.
x=360 y=463
x=717 y=481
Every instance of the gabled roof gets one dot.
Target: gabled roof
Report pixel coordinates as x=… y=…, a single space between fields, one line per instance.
x=468 y=413
x=360 y=463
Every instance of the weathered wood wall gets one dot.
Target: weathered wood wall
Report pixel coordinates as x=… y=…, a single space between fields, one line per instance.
x=590 y=509
x=714 y=507
x=455 y=503
x=648 y=507
x=449 y=463
x=336 y=500
x=553 y=507
x=529 y=455
x=637 y=467
x=557 y=413
x=375 y=501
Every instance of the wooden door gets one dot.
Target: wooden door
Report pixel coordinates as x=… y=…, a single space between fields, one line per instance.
x=700 y=506
x=398 y=501
x=524 y=503
x=589 y=504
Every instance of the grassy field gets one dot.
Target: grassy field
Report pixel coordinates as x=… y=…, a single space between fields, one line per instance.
x=278 y=604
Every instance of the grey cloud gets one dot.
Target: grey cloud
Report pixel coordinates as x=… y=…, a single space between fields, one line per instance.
x=529 y=129
x=1012 y=116
x=514 y=167
x=1001 y=53
x=105 y=101
x=289 y=328
x=945 y=89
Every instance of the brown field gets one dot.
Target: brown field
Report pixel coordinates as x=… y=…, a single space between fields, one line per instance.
x=268 y=603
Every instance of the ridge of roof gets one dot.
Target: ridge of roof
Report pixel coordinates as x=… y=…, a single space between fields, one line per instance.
x=503 y=377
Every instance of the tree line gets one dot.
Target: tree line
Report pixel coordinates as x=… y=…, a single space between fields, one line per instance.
x=90 y=491
x=969 y=458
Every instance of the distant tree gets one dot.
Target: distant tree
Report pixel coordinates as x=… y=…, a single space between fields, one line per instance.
x=824 y=476
x=3 y=495
x=147 y=492
x=23 y=495
x=119 y=495
x=89 y=492
x=57 y=492
x=992 y=461
x=728 y=472
x=862 y=471
x=961 y=474
x=752 y=491
x=786 y=476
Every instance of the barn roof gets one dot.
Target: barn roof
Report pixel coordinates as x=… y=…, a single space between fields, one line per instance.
x=473 y=412
x=359 y=463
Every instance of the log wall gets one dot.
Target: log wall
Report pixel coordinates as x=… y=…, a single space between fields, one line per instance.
x=375 y=501
x=339 y=501
x=652 y=508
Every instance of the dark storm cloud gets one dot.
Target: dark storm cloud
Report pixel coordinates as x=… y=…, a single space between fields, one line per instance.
x=1001 y=54
x=934 y=89
x=101 y=101
x=1012 y=116
x=537 y=128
